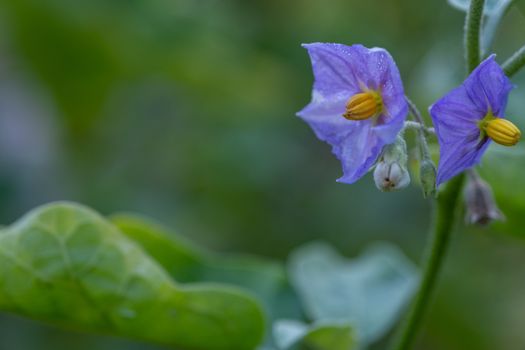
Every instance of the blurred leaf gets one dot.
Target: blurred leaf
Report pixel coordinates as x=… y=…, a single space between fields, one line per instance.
x=491 y=6
x=369 y=291
x=185 y=262
x=63 y=263
x=503 y=169
x=292 y=334
x=180 y=258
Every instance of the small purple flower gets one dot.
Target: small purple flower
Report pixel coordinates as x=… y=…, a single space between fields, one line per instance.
x=470 y=116
x=358 y=103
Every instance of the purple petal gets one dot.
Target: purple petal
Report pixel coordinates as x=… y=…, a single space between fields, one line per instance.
x=324 y=115
x=387 y=80
x=456 y=117
x=358 y=151
x=341 y=71
x=488 y=87
x=460 y=157
x=334 y=72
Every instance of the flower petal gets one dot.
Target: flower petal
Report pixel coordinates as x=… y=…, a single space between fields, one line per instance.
x=456 y=117
x=334 y=71
x=385 y=78
x=460 y=157
x=325 y=117
x=488 y=87
x=358 y=151
x=455 y=120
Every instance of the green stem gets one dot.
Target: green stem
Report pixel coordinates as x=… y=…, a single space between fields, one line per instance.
x=443 y=224
x=412 y=125
x=447 y=202
x=425 y=153
x=472 y=33
x=515 y=62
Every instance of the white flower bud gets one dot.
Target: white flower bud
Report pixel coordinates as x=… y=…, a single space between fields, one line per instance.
x=391 y=172
x=390 y=176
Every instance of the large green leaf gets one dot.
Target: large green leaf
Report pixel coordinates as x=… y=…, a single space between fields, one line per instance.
x=369 y=291
x=295 y=335
x=185 y=262
x=179 y=257
x=65 y=264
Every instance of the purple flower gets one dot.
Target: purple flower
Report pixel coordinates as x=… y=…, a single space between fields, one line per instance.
x=470 y=116
x=358 y=103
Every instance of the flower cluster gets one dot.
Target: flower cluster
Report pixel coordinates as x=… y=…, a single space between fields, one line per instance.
x=359 y=107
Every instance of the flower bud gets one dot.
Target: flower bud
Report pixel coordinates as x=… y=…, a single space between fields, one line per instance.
x=427 y=177
x=390 y=177
x=391 y=172
x=481 y=208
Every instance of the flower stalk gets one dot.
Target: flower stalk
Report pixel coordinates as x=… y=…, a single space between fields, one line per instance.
x=412 y=125
x=427 y=169
x=444 y=220
x=447 y=203
x=472 y=34
x=425 y=154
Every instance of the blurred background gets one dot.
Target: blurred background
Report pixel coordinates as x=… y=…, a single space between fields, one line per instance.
x=184 y=110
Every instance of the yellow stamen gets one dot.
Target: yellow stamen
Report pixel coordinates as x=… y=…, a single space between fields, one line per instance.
x=363 y=105
x=501 y=131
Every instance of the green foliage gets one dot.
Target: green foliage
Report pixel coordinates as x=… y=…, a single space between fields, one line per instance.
x=185 y=262
x=369 y=291
x=119 y=275
x=63 y=263
x=294 y=335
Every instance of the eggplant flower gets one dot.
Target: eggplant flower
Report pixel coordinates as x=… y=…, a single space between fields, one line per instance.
x=358 y=103
x=469 y=117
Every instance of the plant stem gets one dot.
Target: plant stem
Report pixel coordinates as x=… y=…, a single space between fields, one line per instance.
x=409 y=124
x=447 y=202
x=425 y=154
x=444 y=220
x=472 y=33
x=515 y=62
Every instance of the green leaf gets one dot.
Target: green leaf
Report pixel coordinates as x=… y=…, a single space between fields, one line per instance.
x=65 y=264
x=185 y=262
x=369 y=291
x=179 y=257
x=265 y=279
x=292 y=334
